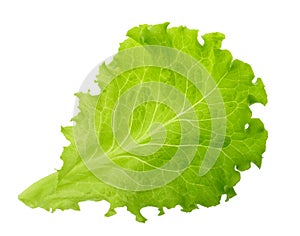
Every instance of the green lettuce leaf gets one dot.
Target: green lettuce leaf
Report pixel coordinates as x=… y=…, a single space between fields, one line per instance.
x=156 y=131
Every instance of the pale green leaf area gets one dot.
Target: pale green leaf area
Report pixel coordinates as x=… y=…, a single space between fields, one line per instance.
x=75 y=182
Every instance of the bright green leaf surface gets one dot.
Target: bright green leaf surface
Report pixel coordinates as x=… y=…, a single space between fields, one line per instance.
x=75 y=182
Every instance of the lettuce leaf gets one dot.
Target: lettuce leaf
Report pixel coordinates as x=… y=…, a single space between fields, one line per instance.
x=167 y=135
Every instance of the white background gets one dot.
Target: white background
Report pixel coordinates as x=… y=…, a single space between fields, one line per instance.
x=48 y=47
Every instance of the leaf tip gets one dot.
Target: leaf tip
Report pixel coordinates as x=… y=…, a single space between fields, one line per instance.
x=213 y=40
